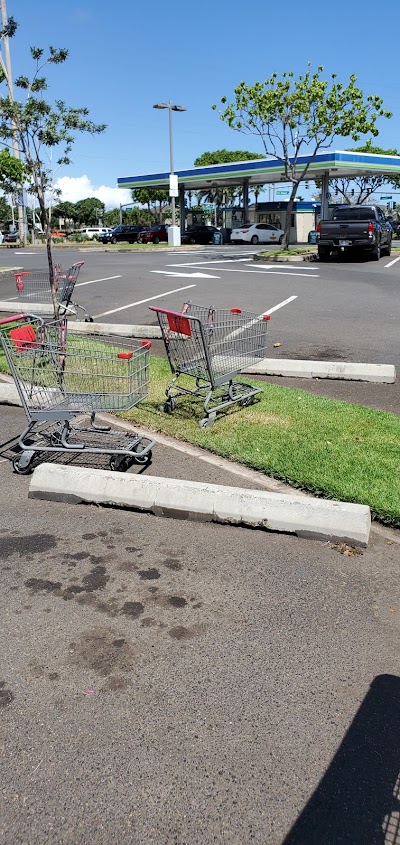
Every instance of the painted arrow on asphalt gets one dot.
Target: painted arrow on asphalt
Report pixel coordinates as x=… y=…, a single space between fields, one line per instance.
x=186 y=275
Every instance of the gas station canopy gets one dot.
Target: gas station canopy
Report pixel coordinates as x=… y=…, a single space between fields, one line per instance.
x=332 y=164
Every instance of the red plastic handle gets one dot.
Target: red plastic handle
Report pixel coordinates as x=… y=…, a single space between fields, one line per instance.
x=13 y=318
x=125 y=355
x=266 y=316
x=146 y=344
x=236 y=310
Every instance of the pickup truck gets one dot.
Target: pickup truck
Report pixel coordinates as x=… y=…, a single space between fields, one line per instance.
x=355 y=227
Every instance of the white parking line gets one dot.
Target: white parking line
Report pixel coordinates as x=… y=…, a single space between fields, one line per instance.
x=93 y=281
x=280 y=305
x=257 y=319
x=185 y=275
x=269 y=272
x=392 y=262
x=283 y=266
x=214 y=261
x=142 y=301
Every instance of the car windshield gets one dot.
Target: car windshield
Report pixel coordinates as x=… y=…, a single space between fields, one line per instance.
x=354 y=214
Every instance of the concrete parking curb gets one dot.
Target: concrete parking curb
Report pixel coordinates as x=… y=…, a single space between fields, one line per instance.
x=293 y=368
x=324 y=369
x=285 y=259
x=313 y=518
x=148 y=332
x=120 y=330
x=9 y=394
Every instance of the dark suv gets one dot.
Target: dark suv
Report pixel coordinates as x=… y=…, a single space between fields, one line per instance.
x=122 y=233
x=198 y=234
x=154 y=235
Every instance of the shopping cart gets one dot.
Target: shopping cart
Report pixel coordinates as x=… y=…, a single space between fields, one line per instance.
x=34 y=286
x=212 y=347
x=62 y=378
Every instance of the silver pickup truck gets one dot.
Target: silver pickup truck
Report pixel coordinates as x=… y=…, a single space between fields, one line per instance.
x=355 y=227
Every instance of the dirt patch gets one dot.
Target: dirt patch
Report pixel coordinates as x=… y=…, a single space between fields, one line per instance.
x=40 y=585
x=149 y=574
x=27 y=544
x=133 y=609
x=96 y=651
x=177 y=601
x=262 y=418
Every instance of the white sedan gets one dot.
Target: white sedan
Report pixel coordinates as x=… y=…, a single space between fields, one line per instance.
x=258 y=233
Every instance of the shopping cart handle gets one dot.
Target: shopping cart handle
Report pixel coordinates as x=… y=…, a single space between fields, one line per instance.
x=14 y=318
x=166 y=311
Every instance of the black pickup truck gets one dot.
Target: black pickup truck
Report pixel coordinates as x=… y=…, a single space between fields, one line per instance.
x=355 y=227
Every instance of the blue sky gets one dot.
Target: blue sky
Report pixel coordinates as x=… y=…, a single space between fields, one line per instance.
x=125 y=57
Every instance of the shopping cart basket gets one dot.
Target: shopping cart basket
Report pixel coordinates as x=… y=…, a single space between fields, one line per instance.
x=34 y=286
x=63 y=377
x=212 y=347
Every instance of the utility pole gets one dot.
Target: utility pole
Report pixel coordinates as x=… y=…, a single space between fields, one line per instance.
x=6 y=67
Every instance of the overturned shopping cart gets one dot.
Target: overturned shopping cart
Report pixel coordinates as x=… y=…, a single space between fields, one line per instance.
x=211 y=346
x=64 y=379
x=34 y=286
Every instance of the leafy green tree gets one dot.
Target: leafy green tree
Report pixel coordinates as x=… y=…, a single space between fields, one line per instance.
x=111 y=218
x=89 y=211
x=294 y=117
x=363 y=186
x=66 y=210
x=225 y=157
x=223 y=196
x=5 y=211
x=151 y=196
x=40 y=128
x=11 y=173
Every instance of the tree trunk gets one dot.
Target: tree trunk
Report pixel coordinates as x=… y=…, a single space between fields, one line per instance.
x=288 y=217
x=46 y=226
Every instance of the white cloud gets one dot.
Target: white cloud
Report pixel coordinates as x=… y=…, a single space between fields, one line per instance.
x=80 y=187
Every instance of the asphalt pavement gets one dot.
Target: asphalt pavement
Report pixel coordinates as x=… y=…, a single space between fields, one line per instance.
x=180 y=683
x=343 y=310
x=186 y=684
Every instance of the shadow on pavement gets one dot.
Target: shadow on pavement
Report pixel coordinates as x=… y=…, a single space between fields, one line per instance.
x=358 y=800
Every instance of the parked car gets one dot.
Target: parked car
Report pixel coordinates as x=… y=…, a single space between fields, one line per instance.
x=198 y=234
x=122 y=233
x=355 y=227
x=154 y=235
x=11 y=237
x=258 y=233
x=90 y=232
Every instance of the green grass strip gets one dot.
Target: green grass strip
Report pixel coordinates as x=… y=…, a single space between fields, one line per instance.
x=331 y=448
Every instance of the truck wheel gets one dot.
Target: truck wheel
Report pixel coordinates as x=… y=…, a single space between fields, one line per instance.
x=323 y=253
x=388 y=249
x=376 y=253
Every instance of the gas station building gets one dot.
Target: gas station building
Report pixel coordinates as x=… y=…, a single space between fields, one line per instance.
x=325 y=166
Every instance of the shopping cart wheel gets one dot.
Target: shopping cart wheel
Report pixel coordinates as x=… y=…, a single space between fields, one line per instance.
x=169 y=406
x=55 y=439
x=206 y=422
x=88 y=319
x=119 y=463
x=143 y=459
x=21 y=465
x=244 y=403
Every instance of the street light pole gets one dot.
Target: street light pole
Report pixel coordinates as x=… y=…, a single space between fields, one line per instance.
x=6 y=68
x=175 y=236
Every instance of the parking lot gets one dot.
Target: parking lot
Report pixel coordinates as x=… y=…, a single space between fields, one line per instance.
x=344 y=310
x=173 y=682
x=186 y=683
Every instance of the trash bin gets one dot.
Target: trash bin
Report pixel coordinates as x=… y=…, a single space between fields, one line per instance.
x=312 y=237
x=217 y=238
